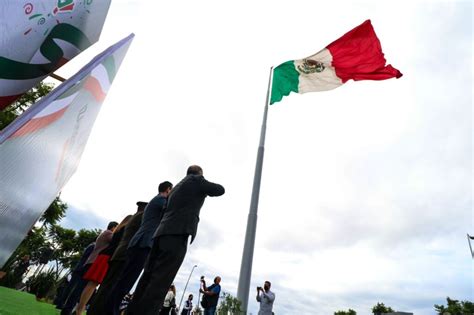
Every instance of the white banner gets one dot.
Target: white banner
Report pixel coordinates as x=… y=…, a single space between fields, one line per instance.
x=41 y=149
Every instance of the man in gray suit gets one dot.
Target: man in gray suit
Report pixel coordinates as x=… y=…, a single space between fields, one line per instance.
x=138 y=248
x=180 y=220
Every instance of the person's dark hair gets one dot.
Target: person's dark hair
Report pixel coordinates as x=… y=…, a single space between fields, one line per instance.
x=194 y=170
x=269 y=283
x=123 y=224
x=215 y=279
x=111 y=225
x=164 y=186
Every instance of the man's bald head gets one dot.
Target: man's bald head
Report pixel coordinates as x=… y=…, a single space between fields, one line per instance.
x=194 y=170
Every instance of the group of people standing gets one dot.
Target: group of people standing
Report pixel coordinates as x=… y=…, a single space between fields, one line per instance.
x=154 y=240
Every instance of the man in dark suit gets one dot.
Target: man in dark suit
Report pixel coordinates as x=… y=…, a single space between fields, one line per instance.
x=116 y=262
x=180 y=220
x=138 y=248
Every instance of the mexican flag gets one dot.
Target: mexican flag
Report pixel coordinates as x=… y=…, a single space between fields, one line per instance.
x=357 y=55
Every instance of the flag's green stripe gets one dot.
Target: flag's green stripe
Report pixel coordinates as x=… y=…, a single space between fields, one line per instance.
x=109 y=64
x=285 y=80
x=15 y=70
x=73 y=89
x=68 y=33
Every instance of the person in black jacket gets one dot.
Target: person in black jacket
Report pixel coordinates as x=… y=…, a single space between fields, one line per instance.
x=179 y=221
x=138 y=249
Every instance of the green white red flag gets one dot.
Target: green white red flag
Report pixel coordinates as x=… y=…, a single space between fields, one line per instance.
x=39 y=36
x=357 y=55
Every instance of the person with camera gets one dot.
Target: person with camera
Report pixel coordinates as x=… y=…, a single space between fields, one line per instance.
x=266 y=298
x=210 y=296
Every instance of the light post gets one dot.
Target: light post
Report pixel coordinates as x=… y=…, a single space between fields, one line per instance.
x=469 y=238
x=184 y=291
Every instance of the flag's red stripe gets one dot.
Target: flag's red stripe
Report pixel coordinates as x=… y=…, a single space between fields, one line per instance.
x=93 y=86
x=39 y=123
x=358 y=55
x=68 y=7
x=7 y=100
x=61 y=62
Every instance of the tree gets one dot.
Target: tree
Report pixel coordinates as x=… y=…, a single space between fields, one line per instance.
x=68 y=245
x=43 y=283
x=55 y=212
x=23 y=103
x=85 y=237
x=82 y=240
x=62 y=242
x=380 y=308
x=348 y=312
x=455 y=307
x=230 y=305
x=32 y=245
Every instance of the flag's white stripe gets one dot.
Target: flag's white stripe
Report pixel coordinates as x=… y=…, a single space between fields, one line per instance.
x=100 y=73
x=318 y=81
x=56 y=106
x=38 y=58
x=70 y=51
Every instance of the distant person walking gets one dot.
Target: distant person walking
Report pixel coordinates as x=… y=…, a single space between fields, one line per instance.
x=266 y=298
x=188 y=306
x=138 y=248
x=168 y=302
x=171 y=240
x=211 y=297
x=116 y=263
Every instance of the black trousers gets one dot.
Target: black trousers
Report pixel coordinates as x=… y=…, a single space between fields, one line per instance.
x=77 y=284
x=97 y=306
x=166 y=256
x=136 y=258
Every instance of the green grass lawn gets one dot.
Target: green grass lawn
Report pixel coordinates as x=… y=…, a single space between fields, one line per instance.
x=14 y=302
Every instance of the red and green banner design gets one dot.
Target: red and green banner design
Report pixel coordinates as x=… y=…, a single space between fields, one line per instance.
x=96 y=84
x=20 y=74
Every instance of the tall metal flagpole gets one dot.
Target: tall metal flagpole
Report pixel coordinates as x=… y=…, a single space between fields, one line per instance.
x=247 y=256
x=182 y=296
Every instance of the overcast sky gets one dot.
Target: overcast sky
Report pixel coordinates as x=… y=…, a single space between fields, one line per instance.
x=366 y=191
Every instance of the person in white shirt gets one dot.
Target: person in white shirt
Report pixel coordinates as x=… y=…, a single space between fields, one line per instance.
x=167 y=304
x=266 y=298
